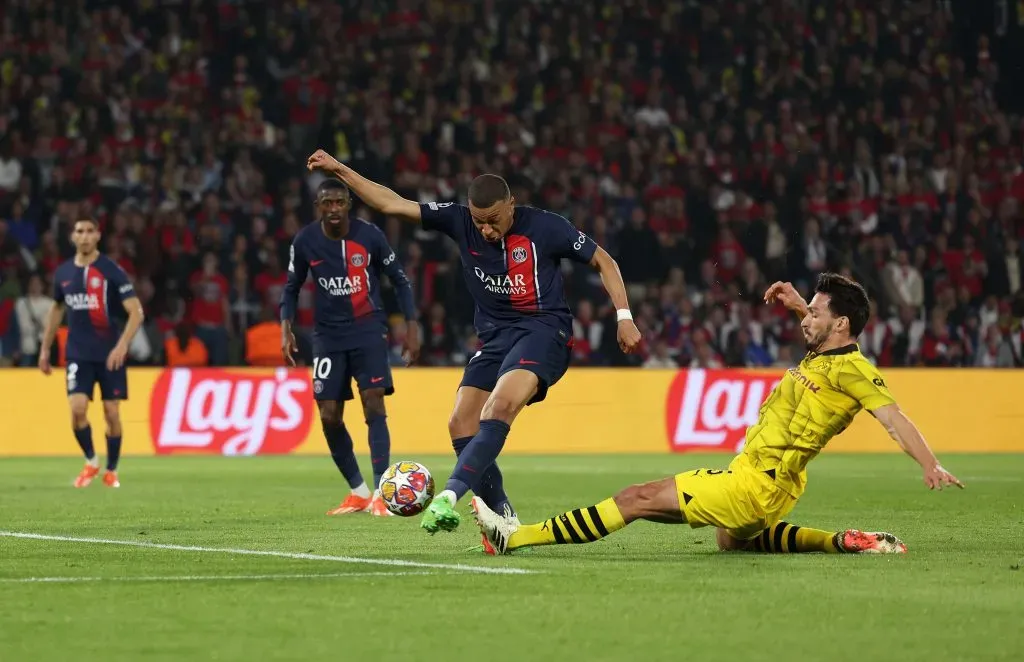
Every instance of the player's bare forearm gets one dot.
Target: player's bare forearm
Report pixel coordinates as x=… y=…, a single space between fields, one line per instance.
x=787 y=295
x=375 y=195
x=381 y=197
x=611 y=278
x=53 y=319
x=135 y=318
x=910 y=439
x=627 y=333
x=905 y=433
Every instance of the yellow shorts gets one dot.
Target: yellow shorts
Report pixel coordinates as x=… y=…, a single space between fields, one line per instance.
x=741 y=500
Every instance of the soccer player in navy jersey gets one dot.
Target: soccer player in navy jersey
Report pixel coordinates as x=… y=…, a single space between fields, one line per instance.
x=93 y=288
x=510 y=258
x=350 y=337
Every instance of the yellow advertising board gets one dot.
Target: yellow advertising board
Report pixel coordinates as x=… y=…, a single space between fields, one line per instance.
x=243 y=411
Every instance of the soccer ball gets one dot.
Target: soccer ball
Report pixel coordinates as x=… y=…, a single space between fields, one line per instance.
x=406 y=488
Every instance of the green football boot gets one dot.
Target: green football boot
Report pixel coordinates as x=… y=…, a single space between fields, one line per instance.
x=440 y=516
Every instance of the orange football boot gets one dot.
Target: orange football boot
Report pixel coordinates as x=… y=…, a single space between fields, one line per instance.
x=88 y=473
x=377 y=508
x=853 y=541
x=110 y=479
x=351 y=504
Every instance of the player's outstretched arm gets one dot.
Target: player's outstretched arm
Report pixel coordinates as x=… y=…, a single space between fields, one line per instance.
x=53 y=319
x=611 y=278
x=910 y=439
x=379 y=197
x=787 y=295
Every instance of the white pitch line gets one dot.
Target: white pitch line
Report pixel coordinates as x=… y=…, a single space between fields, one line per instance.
x=201 y=578
x=266 y=552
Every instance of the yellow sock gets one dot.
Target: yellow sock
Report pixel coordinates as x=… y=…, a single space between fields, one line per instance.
x=785 y=538
x=576 y=526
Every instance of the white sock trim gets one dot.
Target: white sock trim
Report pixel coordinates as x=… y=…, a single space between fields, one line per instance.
x=361 y=490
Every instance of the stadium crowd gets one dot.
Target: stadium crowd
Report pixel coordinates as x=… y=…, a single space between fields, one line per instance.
x=710 y=147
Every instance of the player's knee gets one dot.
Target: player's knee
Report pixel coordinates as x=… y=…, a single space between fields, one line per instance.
x=330 y=414
x=80 y=414
x=463 y=423
x=727 y=543
x=373 y=404
x=501 y=408
x=637 y=501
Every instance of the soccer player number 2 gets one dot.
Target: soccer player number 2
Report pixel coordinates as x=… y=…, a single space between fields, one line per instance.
x=321 y=367
x=72 y=375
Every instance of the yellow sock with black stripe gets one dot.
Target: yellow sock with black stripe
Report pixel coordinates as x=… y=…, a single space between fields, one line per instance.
x=574 y=527
x=785 y=538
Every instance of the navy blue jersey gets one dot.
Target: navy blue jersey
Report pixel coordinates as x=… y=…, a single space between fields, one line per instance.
x=516 y=282
x=347 y=308
x=94 y=296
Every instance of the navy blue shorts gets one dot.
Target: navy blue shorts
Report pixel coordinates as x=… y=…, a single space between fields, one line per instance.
x=333 y=372
x=545 y=354
x=82 y=377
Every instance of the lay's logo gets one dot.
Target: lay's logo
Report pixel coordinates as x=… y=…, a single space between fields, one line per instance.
x=710 y=410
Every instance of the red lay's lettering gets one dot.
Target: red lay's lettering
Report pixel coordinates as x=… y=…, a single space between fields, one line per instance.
x=217 y=411
x=710 y=410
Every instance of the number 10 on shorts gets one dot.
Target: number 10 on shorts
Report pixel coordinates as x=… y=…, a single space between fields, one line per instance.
x=321 y=367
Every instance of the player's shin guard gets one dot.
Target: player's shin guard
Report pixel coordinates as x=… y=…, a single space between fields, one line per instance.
x=84 y=438
x=576 y=526
x=492 y=484
x=380 y=446
x=113 y=452
x=477 y=457
x=785 y=538
x=340 y=443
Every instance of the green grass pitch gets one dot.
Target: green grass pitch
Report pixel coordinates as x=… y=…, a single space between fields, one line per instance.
x=650 y=592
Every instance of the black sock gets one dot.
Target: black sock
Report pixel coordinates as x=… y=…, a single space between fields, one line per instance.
x=340 y=443
x=380 y=446
x=477 y=457
x=492 y=483
x=84 y=438
x=113 y=452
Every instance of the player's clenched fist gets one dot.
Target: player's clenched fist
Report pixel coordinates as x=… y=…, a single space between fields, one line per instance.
x=629 y=336
x=324 y=161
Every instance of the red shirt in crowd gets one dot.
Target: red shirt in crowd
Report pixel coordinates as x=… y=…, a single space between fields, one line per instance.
x=209 y=295
x=269 y=287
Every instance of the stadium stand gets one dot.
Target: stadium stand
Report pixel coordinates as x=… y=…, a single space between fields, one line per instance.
x=711 y=147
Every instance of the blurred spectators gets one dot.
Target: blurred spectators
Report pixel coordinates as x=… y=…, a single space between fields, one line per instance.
x=711 y=147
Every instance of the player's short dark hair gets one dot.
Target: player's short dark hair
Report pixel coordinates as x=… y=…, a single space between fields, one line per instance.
x=332 y=185
x=93 y=221
x=486 y=190
x=846 y=298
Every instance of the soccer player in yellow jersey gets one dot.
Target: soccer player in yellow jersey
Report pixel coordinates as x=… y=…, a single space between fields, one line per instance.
x=815 y=401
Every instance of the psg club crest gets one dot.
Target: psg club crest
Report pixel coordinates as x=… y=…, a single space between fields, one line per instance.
x=357 y=260
x=318 y=386
x=519 y=255
x=94 y=282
